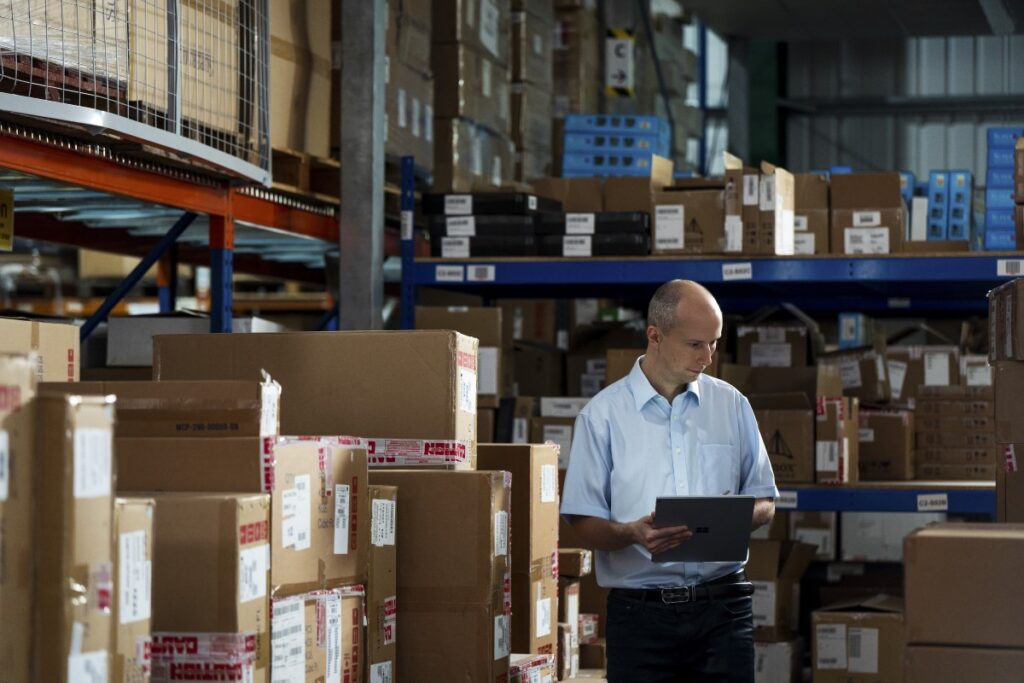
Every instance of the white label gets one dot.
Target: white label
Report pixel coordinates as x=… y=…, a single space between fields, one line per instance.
x=837 y=570
x=134 y=578
x=5 y=465
x=341 y=518
x=502 y=640
x=480 y=273
x=865 y=435
x=827 y=456
x=428 y=123
x=270 y=394
x=866 y=240
x=767 y=193
x=737 y=271
x=579 y=224
x=562 y=407
x=458 y=204
x=335 y=632
x=408 y=225
x=979 y=376
x=548 y=483
x=764 y=601
x=289 y=504
x=866 y=219
x=576 y=245
x=572 y=610
x=382 y=522
x=830 y=640
x=487 y=375
x=799 y=222
x=461 y=226
x=932 y=502
x=819 y=538
x=450 y=274
x=771 y=355
x=1009 y=267
x=897 y=374
x=750 y=190
x=787 y=500
x=415 y=117
x=253 y=565
x=381 y=672
x=485 y=77
x=92 y=463
x=862 y=649
x=303 y=503
x=668 y=227
x=520 y=430
x=804 y=243
x=531 y=202
x=500 y=533
x=766 y=335
x=620 y=71
x=733 y=234
x=489 y=20
x=936 y=369
x=538 y=44
x=467 y=390
x=88 y=667
x=849 y=371
x=543 y=617
x=455 y=247
x=403 y=119
x=288 y=642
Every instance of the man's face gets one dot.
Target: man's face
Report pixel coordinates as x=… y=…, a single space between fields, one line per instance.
x=687 y=349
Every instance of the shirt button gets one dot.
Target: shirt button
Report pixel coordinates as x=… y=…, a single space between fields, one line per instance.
x=677 y=451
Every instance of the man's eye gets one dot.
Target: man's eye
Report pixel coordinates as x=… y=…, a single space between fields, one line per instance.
x=695 y=345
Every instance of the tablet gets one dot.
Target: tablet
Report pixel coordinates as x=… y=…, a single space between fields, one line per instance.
x=720 y=526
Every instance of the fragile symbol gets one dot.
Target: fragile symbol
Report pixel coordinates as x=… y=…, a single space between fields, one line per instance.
x=778 y=446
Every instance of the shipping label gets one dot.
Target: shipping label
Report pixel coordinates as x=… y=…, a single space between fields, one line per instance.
x=764 y=599
x=936 y=369
x=866 y=240
x=543 y=625
x=92 y=462
x=862 y=651
x=579 y=224
x=830 y=641
x=668 y=227
x=253 y=567
x=849 y=372
x=288 y=642
x=134 y=577
x=382 y=531
x=804 y=244
x=342 y=512
x=897 y=375
x=548 y=483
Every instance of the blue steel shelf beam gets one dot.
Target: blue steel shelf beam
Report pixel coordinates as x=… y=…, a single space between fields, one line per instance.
x=966 y=501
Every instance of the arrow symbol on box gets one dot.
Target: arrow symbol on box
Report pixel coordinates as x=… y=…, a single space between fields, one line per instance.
x=619 y=76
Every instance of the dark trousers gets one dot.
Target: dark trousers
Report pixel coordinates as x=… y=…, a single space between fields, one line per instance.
x=706 y=640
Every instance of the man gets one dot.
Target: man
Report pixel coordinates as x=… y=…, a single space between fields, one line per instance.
x=667 y=429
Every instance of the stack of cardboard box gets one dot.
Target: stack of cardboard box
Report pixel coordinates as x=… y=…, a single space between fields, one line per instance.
x=759 y=209
x=956 y=434
x=533 y=32
x=577 y=60
x=859 y=641
x=1006 y=353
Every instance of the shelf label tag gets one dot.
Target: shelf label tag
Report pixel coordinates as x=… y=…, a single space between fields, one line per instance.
x=932 y=502
x=787 y=500
x=450 y=274
x=1005 y=267
x=737 y=271
x=407 y=225
x=480 y=273
x=6 y=219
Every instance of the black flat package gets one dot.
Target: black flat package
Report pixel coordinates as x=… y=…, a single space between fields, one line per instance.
x=487 y=204
x=474 y=247
x=480 y=226
x=623 y=244
x=606 y=222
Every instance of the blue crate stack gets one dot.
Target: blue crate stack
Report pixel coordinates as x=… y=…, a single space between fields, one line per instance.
x=938 y=205
x=999 y=228
x=961 y=200
x=610 y=145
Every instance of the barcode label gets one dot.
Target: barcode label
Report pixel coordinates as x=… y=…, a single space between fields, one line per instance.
x=579 y=224
x=668 y=227
x=458 y=205
x=520 y=430
x=303 y=526
x=461 y=226
x=381 y=672
x=480 y=273
x=454 y=247
x=1009 y=267
x=827 y=456
x=548 y=483
x=288 y=642
x=831 y=646
x=407 y=225
x=862 y=651
x=92 y=463
x=933 y=502
x=5 y=465
x=334 y=635
x=576 y=245
x=787 y=500
x=450 y=274
x=134 y=577
x=500 y=533
x=750 y=190
x=341 y=518
x=253 y=565
x=737 y=271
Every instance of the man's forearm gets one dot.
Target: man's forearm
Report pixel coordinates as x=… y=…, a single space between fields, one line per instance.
x=601 y=534
x=764 y=512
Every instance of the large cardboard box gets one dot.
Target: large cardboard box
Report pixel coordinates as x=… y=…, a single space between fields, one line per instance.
x=17 y=388
x=132 y=45
x=691 y=222
x=879 y=536
x=539 y=370
x=865 y=374
x=931 y=663
x=578 y=195
x=1006 y=321
x=130 y=338
x=531 y=121
x=912 y=367
x=532 y=37
x=529 y=320
x=318 y=636
x=820 y=529
x=868 y=214
x=836 y=446
x=484 y=25
x=382 y=588
x=811 y=214
x=535 y=604
x=619 y=363
x=527 y=668
x=242 y=464
x=742 y=202
x=469 y=157
x=575 y=562
x=1010 y=486
x=319 y=517
x=1008 y=376
x=50 y=31
x=577 y=61
x=133 y=581
x=778 y=662
x=208 y=57
x=409 y=105
x=568 y=652
x=484 y=323
x=557 y=431
x=886 y=445
x=418 y=385
x=638 y=194
x=775 y=225
x=55 y=346
x=946 y=555
x=470 y=84
x=771 y=346
x=211 y=549
x=775 y=568
x=454 y=573
x=787 y=423
x=859 y=642
x=73 y=494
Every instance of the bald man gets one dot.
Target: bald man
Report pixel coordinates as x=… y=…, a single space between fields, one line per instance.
x=667 y=429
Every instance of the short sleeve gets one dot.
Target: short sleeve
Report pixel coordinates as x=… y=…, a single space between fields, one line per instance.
x=586 y=491
x=757 y=477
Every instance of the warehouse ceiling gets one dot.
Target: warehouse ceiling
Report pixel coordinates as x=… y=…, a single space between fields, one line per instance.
x=800 y=20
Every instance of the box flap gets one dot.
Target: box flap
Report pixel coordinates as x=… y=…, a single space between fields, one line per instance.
x=877 y=603
x=732 y=163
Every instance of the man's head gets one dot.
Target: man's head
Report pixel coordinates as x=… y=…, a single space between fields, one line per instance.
x=684 y=324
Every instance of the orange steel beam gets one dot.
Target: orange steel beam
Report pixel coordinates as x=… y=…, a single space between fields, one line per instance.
x=272 y=215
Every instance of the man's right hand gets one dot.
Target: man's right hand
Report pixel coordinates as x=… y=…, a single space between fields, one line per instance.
x=658 y=540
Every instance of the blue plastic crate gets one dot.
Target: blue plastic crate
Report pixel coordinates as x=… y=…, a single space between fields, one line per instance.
x=841 y=170
x=999 y=178
x=577 y=164
x=601 y=143
x=1000 y=240
x=961 y=190
x=1004 y=136
x=999 y=219
x=614 y=123
x=1000 y=157
x=854 y=330
x=999 y=199
x=907 y=181
x=937 y=228
x=958 y=230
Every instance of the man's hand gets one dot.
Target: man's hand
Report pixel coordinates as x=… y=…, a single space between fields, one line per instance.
x=657 y=540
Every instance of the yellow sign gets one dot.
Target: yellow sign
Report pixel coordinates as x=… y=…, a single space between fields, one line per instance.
x=6 y=219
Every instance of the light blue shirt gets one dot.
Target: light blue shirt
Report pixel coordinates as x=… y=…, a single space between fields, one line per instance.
x=631 y=446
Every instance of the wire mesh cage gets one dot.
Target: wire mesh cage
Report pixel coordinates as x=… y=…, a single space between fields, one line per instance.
x=190 y=75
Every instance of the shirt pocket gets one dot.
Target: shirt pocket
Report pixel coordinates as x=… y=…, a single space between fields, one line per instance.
x=719 y=470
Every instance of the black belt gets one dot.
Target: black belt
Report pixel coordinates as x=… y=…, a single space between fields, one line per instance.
x=732 y=586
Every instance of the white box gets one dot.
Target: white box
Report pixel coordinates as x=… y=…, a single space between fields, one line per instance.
x=130 y=339
x=878 y=536
x=778 y=662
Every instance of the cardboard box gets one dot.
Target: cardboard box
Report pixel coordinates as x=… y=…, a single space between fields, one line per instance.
x=578 y=195
x=539 y=370
x=1005 y=318
x=575 y=562
x=485 y=419
x=196 y=564
x=819 y=529
x=1009 y=427
x=577 y=61
x=878 y=537
x=209 y=61
x=775 y=568
x=588 y=636
x=956 y=472
x=951 y=440
x=408 y=36
x=950 y=555
x=485 y=26
x=409 y=105
x=531 y=119
x=456 y=605
x=17 y=420
x=859 y=642
x=313 y=636
x=775 y=225
x=868 y=214
x=836 y=446
x=132 y=37
x=777 y=530
x=928 y=663
x=554 y=430
x=132 y=608
x=1010 y=486
x=569 y=603
x=619 y=363
x=130 y=339
x=74 y=519
x=594 y=600
x=772 y=346
x=568 y=652
x=911 y=367
x=865 y=374
x=787 y=428
x=638 y=194
x=977 y=425
x=429 y=394
x=469 y=158
x=811 y=214
x=243 y=464
x=535 y=603
x=778 y=662
x=532 y=667
x=975 y=370
x=529 y=320
x=320 y=517
x=532 y=36
x=55 y=346
x=691 y=222
x=886 y=445
x=742 y=205
x=484 y=323
x=382 y=586
x=822 y=381
x=470 y=84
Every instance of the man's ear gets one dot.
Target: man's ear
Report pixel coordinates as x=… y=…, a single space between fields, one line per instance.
x=653 y=335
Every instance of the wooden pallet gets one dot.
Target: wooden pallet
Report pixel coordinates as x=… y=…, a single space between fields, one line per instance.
x=23 y=74
x=308 y=176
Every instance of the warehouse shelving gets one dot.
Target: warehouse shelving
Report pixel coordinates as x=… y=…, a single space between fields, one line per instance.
x=976 y=498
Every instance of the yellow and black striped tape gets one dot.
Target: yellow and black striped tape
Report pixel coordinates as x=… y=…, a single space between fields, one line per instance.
x=611 y=90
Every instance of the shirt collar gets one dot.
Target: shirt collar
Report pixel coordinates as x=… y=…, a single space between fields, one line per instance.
x=643 y=391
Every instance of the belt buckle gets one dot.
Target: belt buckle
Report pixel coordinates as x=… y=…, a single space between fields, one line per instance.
x=675 y=596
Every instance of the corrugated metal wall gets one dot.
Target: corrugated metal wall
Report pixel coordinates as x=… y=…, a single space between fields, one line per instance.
x=927 y=67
